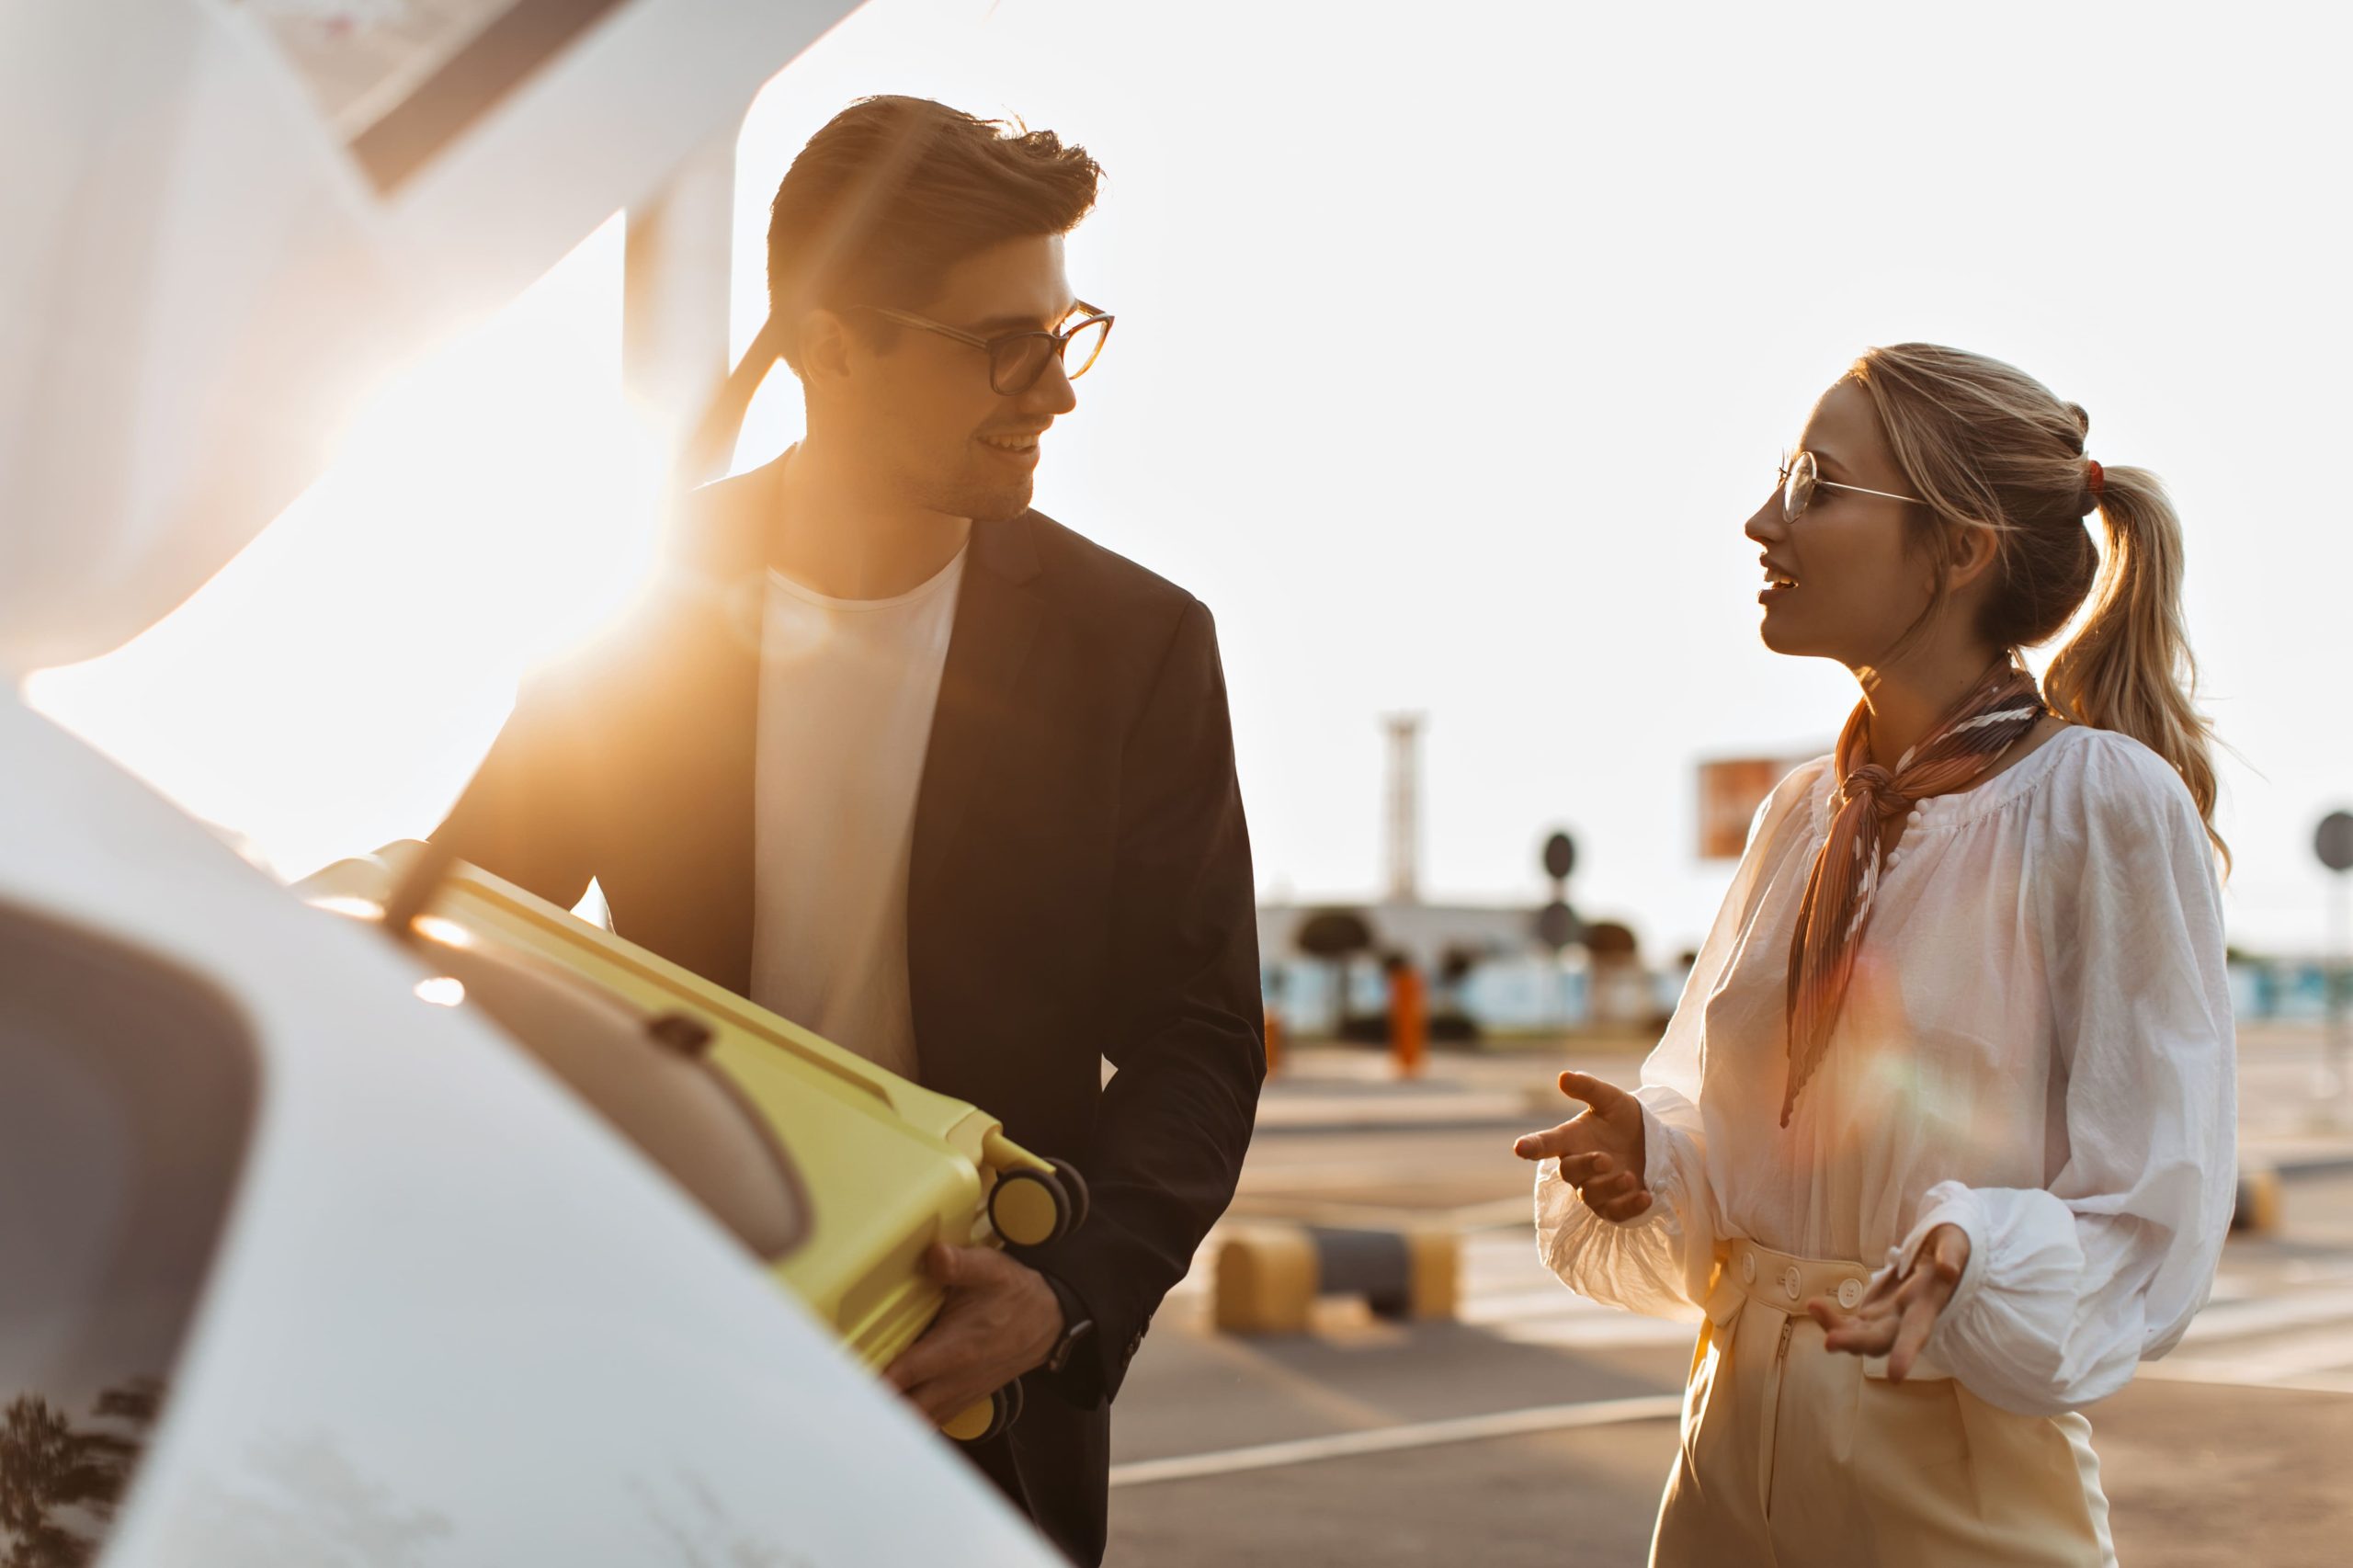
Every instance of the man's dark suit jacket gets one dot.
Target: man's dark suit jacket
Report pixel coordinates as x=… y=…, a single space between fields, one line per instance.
x=1081 y=888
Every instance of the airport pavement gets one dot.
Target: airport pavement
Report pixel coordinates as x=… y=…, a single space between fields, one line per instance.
x=1328 y=1088
x=1538 y=1428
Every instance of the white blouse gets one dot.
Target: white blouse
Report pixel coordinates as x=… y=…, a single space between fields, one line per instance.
x=2037 y=1046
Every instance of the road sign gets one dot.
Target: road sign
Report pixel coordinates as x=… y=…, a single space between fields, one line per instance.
x=1557 y=925
x=1559 y=855
x=2333 y=841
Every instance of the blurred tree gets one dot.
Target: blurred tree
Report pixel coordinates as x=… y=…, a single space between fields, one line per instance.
x=1606 y=940
x=1450 y=1020
x=1337 y=936
x=51 y=1469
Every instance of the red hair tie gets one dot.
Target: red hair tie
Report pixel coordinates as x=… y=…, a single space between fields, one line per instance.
x=2097 y=478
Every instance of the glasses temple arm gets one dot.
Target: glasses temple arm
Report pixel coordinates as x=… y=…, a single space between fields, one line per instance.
x=1860 y=490
x=908 y=318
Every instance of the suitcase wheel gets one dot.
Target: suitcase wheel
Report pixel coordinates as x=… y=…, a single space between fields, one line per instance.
x=989 y=1419
x=1075 y=1188
x=1030 y=1208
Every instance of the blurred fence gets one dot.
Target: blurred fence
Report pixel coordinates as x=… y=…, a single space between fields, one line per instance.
x=1533 y=993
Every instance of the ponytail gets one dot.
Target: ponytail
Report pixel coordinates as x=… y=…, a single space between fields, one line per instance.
x=2129 y=667
x=1986 y=445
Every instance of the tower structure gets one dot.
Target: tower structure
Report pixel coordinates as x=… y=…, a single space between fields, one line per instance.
x=1405 y=807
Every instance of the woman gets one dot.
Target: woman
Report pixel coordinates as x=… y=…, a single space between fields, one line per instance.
x=1940 y=1139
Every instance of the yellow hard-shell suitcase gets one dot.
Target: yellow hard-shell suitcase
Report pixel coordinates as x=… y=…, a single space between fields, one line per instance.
x=712 y=1087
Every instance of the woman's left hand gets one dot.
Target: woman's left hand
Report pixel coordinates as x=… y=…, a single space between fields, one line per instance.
x=1896 y=1318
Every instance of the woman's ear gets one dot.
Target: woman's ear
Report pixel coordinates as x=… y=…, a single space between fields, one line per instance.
x=1974 y=550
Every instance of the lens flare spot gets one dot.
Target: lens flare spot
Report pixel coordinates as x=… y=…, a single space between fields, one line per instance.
x=357 y=908
x=449 y=933
x=442 y=991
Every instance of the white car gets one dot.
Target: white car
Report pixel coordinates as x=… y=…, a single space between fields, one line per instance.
x=296 y=1268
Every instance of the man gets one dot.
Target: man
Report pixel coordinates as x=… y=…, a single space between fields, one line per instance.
x=909 y=763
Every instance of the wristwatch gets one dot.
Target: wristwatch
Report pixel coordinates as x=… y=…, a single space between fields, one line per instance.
x=1077 y=1327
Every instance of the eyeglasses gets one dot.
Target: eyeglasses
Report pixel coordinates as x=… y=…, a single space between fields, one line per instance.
x=1799 y=480
x=1017 y=359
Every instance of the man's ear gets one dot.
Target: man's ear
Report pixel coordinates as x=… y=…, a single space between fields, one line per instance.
x=822 y=339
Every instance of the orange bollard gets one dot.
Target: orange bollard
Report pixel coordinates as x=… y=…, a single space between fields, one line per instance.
x=1274 y=1042
x=1409 y=1018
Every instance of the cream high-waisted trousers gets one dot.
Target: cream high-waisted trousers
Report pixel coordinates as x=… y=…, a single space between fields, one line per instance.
x=1793 y=1458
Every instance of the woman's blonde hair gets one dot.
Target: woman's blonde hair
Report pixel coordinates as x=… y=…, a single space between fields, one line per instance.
x=1987 y=446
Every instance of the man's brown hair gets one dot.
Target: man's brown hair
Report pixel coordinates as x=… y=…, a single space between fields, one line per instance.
x=878 y=207
x=894 y=191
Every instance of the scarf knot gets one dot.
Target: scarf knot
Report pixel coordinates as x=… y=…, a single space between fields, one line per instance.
x=1875 y=789
x=1870 y=802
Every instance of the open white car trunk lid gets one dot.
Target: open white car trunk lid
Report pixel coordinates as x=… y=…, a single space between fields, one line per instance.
x=223 y=222
x=328 y=1274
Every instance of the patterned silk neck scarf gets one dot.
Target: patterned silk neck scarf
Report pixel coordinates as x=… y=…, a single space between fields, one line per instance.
x=1868 y=810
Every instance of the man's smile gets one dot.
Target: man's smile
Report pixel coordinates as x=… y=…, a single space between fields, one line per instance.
x=1018 y=447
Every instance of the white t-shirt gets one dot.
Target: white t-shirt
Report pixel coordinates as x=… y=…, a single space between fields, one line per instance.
x=847 y=690
x=2037 y=1048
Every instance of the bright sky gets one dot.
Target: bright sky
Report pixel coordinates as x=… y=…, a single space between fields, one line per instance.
x=1455 y=344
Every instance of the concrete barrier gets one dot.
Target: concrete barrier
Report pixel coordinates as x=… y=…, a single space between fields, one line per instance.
x=2257 y=1210
x=1268 y=1274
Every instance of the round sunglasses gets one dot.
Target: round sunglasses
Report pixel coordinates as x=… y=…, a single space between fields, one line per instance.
x=1019 y=359
x=1801 y=479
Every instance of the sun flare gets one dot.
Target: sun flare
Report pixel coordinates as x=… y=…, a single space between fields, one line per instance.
x=334 y=686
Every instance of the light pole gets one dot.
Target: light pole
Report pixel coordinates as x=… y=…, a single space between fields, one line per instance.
x=2332 y=843
x=1557 y=926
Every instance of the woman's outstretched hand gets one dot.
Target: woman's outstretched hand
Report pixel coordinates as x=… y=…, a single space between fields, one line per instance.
x=1896 y=1318
x=1601 y=1151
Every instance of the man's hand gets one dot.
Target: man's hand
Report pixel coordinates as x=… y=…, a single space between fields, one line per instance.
x=1897 y=1317
x=1601 y=1151
x=1001 y=1319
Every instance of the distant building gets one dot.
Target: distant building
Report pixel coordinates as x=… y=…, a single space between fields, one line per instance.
x=1516 y=985
x=1512 y=979
x=1423 y=932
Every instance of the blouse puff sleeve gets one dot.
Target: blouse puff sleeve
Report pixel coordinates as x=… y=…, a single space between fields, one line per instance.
x=2066 y=1290
x=1659 y=1262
